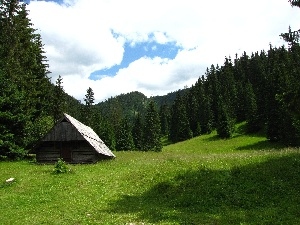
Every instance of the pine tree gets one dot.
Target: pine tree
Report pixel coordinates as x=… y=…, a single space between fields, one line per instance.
x=292 y=97
x=251 y=109
x=193 y=113
x=124 y=139
x=225 y=126
x=89 y=97
x=226 y=100
x=241 y=73
x=179 y=126
x=24 y=57
x=114 y=114
x=206 y=115
x=228 y=87
x=290 y=121
x=104 y=130
x=240 y=107
x=289 y=98
x=137 y=133
x=258 y=78
x=213 y=91
x=88 y=116
x=12 y=120
x=59 y=102
x=205 y=109
x=23 y=70
x=273 y=110
x=152 y=131
x=165 y=115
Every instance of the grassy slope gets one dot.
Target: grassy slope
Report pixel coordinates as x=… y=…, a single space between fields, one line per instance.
x=244 y=180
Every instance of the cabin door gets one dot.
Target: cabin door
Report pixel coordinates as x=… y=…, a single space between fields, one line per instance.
x=66 y=153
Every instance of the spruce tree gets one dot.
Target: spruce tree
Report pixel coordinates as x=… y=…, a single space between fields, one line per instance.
x=179 y=126
x=114 y=114
x=193 y=112
x=289 y=98
x=225 y=126
x=137 y=133
x=165 y=115
x=23 y=70
x=251 y=109
x=124 y=139
x=213 y=91
x=241 y=73
x=205 y=109
x=290 y=121
x=12 y=120
x=104 y=130
x=59 y=101
x=258 y=77
x=152 y=131
x=89 y=99
x=273 y=111
x=24 y=57
x=228 y=87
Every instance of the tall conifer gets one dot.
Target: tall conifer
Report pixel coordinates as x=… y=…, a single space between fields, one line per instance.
x=88 y=112
x=24 y=70
x=192 y=106
x=59 y=101
x=165 y=115
x=251 y=109
x=124 y=139
x=152 y=131
x=137 y=133
x=179 y=127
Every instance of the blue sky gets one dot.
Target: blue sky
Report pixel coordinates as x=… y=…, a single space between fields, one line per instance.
x=134 y=52
x=151 y=46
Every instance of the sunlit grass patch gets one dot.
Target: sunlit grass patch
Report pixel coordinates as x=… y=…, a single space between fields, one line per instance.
x=204 y=180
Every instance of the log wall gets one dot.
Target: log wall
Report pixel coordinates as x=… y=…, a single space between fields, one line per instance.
x=47 y=153
x=80 y=152
x=63 y=131
x=84 y=153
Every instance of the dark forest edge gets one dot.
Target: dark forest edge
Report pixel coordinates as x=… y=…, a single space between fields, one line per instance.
x=261 y=89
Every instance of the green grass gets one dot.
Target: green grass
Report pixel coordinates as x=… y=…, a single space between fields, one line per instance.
x=205 y=180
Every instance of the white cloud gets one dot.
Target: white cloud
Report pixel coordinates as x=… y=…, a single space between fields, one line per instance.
x=80 y=38
x=155 y=76
x=76 y=42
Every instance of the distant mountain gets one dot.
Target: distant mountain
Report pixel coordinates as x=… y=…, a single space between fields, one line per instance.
x=132 y=103
x=122 y=105
x=169 y=98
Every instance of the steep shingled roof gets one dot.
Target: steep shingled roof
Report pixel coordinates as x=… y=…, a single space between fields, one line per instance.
x=90 y=135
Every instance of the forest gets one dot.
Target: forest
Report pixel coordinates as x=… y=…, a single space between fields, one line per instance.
x=262 y=89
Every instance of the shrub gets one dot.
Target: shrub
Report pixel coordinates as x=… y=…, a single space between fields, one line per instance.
x=60 y=167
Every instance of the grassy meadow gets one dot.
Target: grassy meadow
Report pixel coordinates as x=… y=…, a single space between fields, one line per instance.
x=205 y=180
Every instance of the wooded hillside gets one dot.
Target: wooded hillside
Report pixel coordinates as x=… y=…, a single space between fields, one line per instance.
x=261 y=88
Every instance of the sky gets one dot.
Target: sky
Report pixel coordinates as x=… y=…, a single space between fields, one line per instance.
x=151 y=46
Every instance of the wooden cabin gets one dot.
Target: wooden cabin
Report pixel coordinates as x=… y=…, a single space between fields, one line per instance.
x=73 y=142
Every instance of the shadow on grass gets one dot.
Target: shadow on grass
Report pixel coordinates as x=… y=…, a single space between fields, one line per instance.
x=240 y=130
x=263 y=193
x=217 y=138
x=262 y=145
x=212 y=138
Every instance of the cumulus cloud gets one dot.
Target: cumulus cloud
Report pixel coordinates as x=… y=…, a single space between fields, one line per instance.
x=83 y=36
x=151 y=76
